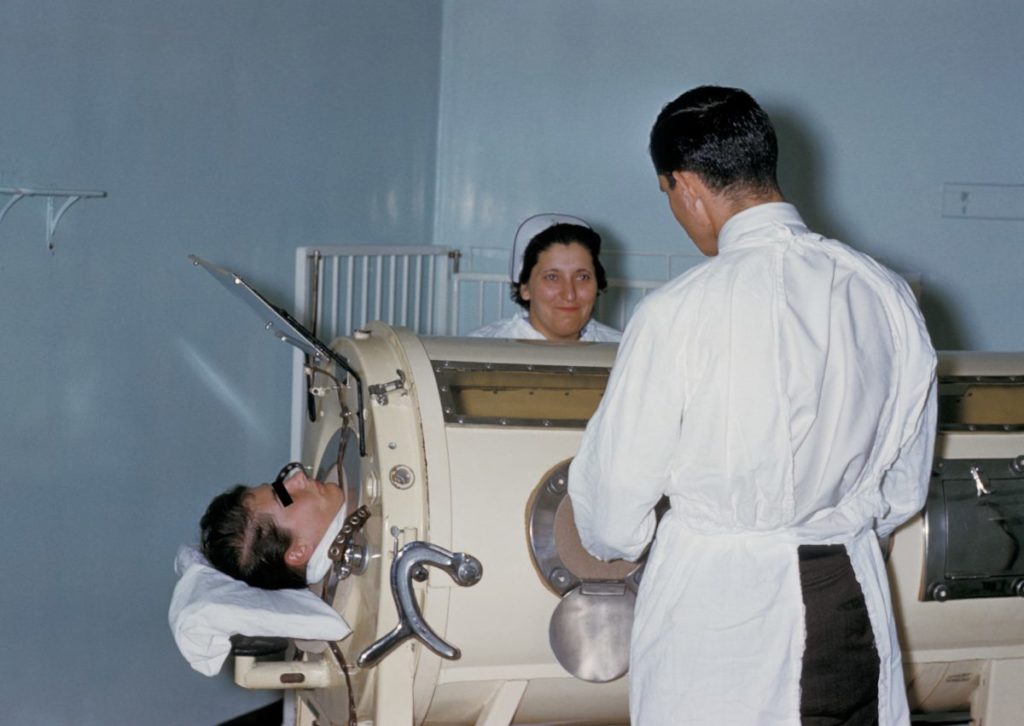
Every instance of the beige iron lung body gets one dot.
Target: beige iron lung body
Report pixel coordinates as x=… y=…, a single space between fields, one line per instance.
x=459 y=432
x=966 y=654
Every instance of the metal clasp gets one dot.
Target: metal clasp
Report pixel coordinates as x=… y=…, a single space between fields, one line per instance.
x=979 y=481
x=380 y=391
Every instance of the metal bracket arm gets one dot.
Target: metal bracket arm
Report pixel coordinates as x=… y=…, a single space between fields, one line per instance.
x=409 y=564
x=53 y=216
x=289 y=330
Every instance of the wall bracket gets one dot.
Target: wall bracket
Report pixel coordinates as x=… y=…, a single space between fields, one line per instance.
x=53 y=197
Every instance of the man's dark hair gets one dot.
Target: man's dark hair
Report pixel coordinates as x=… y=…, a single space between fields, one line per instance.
x=720 y=134
x=246 y=546
x=560 y=234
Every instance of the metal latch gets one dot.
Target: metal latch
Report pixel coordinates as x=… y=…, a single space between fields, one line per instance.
x=979 y=481
x=380 y=391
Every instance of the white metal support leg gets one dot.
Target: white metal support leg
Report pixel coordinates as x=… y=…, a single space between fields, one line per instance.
x=501 y=709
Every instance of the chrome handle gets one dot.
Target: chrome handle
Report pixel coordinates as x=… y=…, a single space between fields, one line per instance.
x=410 y=564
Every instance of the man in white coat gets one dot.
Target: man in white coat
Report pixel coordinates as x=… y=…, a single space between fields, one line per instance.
x=782 y=395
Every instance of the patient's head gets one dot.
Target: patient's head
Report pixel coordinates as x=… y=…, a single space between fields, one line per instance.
x=265 y=535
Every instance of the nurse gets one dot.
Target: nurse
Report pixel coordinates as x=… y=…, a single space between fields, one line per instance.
x=556 y=276
x=782 y=395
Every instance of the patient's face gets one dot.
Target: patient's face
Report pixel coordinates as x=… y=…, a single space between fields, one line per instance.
x=314 y=505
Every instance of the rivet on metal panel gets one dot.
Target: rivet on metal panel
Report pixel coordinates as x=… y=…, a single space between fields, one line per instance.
x=557 y=485
x=939 y=591
x=559 y=577
x=401 y=476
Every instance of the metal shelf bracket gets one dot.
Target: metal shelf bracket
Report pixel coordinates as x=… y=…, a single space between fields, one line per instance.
x=53 y=211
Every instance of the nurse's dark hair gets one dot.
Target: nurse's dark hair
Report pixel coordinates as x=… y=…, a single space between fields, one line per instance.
x=720 y=134
x=247 y=546
x=560 y=234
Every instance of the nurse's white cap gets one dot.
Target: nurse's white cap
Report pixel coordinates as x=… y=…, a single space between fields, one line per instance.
x=530 y=228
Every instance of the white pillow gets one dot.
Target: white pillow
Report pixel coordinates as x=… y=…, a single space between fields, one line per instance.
x=208 y=607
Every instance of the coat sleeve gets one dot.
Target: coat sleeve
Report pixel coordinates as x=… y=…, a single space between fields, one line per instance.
x=623 y=464
x=905 y=484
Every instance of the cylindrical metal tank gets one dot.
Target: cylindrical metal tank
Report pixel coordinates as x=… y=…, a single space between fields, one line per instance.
x=462 y=436
x=459 y=432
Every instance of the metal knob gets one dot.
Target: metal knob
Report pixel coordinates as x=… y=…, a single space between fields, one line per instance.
x=939 y=592
x=1017 y=588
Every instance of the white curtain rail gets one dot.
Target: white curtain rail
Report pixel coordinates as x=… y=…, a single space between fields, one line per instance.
x=53 y=213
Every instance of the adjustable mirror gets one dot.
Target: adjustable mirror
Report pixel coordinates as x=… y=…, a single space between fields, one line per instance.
x=287 y=329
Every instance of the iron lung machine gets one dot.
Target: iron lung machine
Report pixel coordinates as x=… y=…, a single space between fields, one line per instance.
x=470 y=598
x=466 y=449
x=467 y=443
x=957 y=570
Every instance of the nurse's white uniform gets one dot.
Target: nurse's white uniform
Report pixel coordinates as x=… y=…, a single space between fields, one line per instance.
x=518 y=328
x=781 y=393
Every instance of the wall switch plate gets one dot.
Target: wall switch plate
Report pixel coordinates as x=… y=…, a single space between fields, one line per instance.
x=983 y=201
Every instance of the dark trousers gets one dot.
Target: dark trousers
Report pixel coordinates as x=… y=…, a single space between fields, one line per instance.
x=839 y=681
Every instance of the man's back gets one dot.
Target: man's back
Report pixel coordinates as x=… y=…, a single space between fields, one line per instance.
x=795 y=358
x=768 y=392
x=782 y=395
x=772 y=386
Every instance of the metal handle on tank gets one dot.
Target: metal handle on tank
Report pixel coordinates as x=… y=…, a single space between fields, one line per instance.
x=409 y=564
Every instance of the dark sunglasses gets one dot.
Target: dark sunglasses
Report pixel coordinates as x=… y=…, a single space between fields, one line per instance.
x=278 y=484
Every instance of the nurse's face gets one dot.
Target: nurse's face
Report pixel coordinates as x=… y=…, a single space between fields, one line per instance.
x=561 y=291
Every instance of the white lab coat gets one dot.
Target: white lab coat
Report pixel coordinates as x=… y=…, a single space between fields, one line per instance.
x=781 y=393
x=518 y=327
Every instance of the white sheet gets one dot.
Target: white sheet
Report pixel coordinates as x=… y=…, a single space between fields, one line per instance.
x=208 y=607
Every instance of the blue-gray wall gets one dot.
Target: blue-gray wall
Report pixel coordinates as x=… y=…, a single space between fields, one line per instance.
x=132 y=387
x=546 y=106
